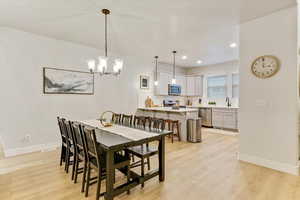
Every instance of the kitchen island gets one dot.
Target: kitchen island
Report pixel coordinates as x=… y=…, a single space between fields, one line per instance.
x=182 y=115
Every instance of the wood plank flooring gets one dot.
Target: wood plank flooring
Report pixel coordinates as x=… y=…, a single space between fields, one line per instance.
x=208 y=171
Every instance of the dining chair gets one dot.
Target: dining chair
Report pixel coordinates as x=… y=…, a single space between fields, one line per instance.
x=71 y=150
x=143 y=152
x=96 y=157
x=116 y=118
x=127 y=120
x=64 y=145
x=81 y=155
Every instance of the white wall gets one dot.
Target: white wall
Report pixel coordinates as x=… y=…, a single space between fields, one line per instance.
x=24 y=107
x=269 y=108
x=227 y=68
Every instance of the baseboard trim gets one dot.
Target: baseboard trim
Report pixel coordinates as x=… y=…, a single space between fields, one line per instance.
x=279 y=166
x=30 y=149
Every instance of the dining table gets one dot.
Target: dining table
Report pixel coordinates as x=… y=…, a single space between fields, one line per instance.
x=117 y=138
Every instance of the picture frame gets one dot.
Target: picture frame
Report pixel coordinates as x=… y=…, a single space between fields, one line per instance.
x=144 y=82
x=64 y=81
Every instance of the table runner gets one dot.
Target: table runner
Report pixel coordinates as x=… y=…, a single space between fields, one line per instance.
x=127 y=132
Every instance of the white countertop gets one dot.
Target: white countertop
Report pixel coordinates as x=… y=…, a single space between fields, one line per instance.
x=169 y=109
x=212 y=106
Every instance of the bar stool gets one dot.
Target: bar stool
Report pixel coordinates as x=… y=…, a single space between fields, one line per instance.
x=174 y=126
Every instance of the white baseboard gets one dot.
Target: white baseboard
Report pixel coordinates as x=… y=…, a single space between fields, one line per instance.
x=283 y=167
x=30 y=149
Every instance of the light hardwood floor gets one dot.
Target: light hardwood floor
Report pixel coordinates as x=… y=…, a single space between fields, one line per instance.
x=206 y=171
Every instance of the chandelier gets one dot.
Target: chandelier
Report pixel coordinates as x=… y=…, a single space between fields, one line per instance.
x=100 y=66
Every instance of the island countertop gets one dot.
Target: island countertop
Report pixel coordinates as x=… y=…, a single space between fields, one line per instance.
x=169 y=109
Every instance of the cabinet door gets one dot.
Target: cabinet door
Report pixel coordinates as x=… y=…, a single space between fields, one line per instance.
x=230 y=119
x=217 y=118
x=163 y=81
x=198 y=85
x=190 y=86
x=181 y=80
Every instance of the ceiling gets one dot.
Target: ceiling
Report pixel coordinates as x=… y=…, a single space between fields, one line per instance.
x=200 y=29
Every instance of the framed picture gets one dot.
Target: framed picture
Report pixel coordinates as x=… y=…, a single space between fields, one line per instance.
x=144 y=82
x=62 y=81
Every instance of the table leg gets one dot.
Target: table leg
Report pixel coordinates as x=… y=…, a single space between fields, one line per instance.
x=161 y=158
x=109 y=175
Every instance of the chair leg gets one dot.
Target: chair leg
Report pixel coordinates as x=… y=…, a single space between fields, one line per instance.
x=76 y=164
x=99 y=184
x=83 y=177
x=75 y=160
x=67 y=160
x=142 y=169
x=148 y=163
x=88 y=181
x=178 y=132
x=172 y=135
x=62 y=155
x=128 y=177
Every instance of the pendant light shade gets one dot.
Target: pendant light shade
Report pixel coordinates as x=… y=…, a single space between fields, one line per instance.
x=174 y=66
x=101 y=67
x=156 y=72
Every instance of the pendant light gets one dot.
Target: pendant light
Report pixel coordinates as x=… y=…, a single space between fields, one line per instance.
x=104 y=61
x=174 y=78
x=156 y=72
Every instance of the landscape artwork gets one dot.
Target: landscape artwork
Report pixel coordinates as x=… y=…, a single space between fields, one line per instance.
x=61 y=81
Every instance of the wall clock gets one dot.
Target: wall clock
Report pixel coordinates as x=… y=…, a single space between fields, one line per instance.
x=265 y=66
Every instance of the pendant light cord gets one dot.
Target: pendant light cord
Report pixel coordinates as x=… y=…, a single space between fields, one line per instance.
x=174 y=52
x=105 y=35
x=156 y=71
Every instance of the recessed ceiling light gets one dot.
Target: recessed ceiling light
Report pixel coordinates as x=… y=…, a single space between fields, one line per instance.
x=184 y=57
x=233 y=45
x=199 y=61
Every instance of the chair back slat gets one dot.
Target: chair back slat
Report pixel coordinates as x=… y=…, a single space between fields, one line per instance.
x=127 y=120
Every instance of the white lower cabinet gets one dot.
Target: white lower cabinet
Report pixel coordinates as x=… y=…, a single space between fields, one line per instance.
x=225 y=118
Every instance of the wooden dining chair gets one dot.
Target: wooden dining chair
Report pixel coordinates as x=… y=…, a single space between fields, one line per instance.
x=127 y=120
x=116 y=118
x=81 y=155
x=97 y=160
x=143 y=152
x=72 y=153
x=64 y=145
x=69 y=149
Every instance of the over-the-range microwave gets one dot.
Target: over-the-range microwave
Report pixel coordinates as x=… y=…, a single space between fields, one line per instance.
x=174 y=90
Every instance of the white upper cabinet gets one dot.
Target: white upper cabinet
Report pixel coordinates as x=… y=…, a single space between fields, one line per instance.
x=194 y=85
x=163 y=81
x=190 y=85
x=181 y=80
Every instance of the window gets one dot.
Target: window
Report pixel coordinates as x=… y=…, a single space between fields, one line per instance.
x=235 y=85
x=217 y=86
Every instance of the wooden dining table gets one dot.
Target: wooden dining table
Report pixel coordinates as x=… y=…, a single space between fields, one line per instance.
x=117 y=138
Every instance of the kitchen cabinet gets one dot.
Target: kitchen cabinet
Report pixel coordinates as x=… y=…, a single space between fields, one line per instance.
x=163 y=81
x=194 y=85
x=225 y=118
x=181 y=80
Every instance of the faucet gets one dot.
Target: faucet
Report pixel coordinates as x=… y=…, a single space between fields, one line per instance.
x=228 y=102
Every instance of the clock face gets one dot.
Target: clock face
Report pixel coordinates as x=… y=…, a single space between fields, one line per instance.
x=265 y=66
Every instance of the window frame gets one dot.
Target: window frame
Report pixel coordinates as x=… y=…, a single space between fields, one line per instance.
x=225 y=86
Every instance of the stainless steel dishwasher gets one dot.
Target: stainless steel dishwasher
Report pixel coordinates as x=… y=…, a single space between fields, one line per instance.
x=206 y=116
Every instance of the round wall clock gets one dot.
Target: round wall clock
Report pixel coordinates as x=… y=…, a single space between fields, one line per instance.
x=265 y=66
